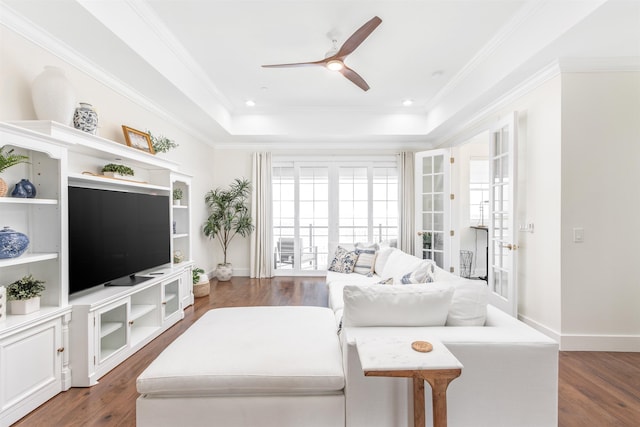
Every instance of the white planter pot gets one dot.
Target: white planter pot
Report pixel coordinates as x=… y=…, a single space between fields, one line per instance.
x=53 y=96
x=224 y=272
x=24 y=306
x=114 y=175
x=176 y=202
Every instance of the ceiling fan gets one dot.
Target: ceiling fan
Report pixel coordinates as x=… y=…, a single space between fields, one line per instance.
x=335 y=59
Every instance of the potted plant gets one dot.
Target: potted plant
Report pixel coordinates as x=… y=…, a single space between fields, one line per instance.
x=8 y=159
x=200 y=283
x=177 y=196
x=24 y=295
x=161 y=144
x=117 y=171
x=228 y=217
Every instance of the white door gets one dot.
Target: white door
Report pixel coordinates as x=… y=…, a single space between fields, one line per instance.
x=432 y=219
x=502 y=230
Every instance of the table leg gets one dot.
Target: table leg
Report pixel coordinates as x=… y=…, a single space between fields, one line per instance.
x=418 y=403
x=439 y=383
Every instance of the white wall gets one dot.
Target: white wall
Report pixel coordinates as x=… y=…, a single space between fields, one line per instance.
x=22 y=61
x=601 y=194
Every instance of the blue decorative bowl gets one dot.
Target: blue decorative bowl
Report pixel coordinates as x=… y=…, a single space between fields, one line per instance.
x=12 y=243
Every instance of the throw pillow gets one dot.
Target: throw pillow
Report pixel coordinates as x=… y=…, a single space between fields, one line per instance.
x=423 y=274
x=381 y=259
x=343 y=261
x=366 y=258
x=388 y=281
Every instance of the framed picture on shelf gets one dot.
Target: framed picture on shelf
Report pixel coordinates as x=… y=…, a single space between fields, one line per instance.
x=138 y=139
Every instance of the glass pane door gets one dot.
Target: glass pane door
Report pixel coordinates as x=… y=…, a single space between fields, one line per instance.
x=432 y=206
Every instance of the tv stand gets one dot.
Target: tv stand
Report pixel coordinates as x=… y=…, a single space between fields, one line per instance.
x=131 y=280
x=111 y=323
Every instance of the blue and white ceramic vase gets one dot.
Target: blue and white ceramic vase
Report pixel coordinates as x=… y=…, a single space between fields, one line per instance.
x=85 y=118
x=29 y=188
x=12 y=243
x=19 y=191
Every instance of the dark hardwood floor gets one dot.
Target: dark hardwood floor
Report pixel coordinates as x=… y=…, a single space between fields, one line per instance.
x=596 y=389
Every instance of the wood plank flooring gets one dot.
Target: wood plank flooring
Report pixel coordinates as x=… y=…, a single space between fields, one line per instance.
x=598 y=389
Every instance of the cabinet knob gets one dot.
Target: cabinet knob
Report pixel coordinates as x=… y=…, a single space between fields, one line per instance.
x=60 y=350
x=164 y=303
x=130 y=322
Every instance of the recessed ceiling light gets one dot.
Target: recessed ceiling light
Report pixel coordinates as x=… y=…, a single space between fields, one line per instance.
x=437 y=74
x=407 y=102
x=250 y=103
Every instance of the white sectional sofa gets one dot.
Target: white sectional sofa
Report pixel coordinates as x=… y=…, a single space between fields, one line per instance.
x=510 y=374
x=299 y=366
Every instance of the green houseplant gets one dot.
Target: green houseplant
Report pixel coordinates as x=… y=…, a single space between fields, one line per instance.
x=8 y=159
x=160 y=143
x=200 y=283
x=113 y=169
x=228 y=216
x=177 y=196
x=24 y=295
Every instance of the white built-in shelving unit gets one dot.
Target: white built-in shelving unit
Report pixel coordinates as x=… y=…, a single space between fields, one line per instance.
x=75 y=340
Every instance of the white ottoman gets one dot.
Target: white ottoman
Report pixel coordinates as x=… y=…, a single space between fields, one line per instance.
x=248 y=366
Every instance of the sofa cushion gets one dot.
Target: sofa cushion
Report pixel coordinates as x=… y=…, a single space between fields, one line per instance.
x=398 y=264
x=381 y=258
x=344 y=261
x=251 y=350
x=410 y=305
x=469 y=303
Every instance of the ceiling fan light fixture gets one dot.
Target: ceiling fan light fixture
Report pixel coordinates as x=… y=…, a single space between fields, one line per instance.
x=335 y=65
x=407 y=102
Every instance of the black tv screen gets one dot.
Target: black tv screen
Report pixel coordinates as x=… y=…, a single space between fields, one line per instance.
x=113 y=235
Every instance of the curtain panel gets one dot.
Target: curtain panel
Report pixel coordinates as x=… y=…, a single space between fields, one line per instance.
x=261 y=262
x=407 y=203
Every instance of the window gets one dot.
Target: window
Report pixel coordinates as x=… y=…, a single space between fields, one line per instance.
x=318 y=204
x=479 y=191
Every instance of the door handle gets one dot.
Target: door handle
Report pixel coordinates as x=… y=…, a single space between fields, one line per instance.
x=510 y=247
x=420 y=233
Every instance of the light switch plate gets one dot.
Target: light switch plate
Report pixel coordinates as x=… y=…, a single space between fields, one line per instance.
x=578 y=235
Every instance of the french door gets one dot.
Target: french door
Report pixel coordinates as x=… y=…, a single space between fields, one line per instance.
x=502 y=228
x=433 y=216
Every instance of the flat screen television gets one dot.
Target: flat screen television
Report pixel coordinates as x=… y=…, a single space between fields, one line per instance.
x=113 y=235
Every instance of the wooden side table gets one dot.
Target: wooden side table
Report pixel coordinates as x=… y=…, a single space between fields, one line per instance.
x=394 y=357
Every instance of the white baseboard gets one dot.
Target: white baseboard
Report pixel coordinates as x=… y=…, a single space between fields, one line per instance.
x=554 y=335
x=577 y=342
x=587 y=342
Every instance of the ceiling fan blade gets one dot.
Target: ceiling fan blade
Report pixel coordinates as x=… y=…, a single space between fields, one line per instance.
x=355 y=78
x=295 y=64
x=358 y=37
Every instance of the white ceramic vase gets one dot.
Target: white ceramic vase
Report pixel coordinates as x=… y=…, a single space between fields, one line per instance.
x=224 y=272
x=53 y=96
x=24 y=306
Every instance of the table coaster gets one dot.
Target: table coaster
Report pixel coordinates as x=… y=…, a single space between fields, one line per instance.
x=422 y=346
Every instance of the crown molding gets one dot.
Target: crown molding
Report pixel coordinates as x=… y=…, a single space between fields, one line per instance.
x=32 y=32
x=600 y=65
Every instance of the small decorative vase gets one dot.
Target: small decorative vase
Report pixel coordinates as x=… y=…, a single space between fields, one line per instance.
x=4 y=188
x=85 y=118
x=19 y=191
x=177 y=257
x=224 y=272
x=53 y=96
x=29 y=188
x=24 y=306
x=176 y=202
x=12 y=243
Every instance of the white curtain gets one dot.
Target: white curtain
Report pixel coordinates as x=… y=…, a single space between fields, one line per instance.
x=407 y=198
x=261 y=263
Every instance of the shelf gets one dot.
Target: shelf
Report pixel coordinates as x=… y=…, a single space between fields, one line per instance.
x=180 y=235
x=169 y=297
x=27 y=259
x=139 y=310
x=107 y=328
x=140 y=333
x=180 y=206
x=105 y=352
x=23 y=201
x=82 y=178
